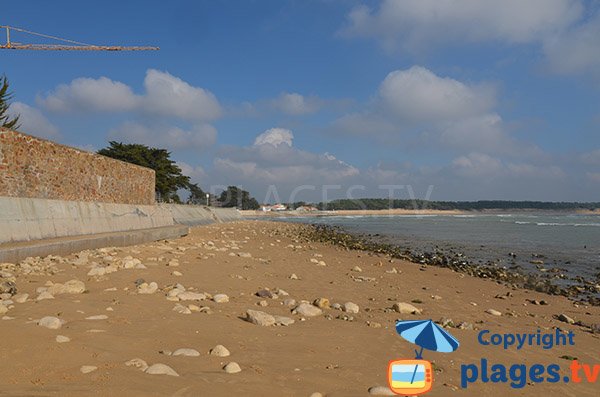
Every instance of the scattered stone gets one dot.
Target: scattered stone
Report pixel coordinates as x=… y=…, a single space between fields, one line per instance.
x=3 y=309
x=336 y=306
x=8 y=287
x=465 y=325
x=265 y=293
x=50 y=322
x=289 y=302
x=161 y=369
x=294 y=277
x=263 y=303
x=97 y=317
x=62 y=339
x=373 y=324
x=260 y=318
x=357 y=269
x=307 y=310
x=219 y=351
x=186 y=352
x=406 y=308
x=137 y=363
x=72 y=287
x=284 y=321
x=232 y=368
x=381 y=391
x=493 y=312
x=20 y=298
x=436 y=297
x=316 y=394
x=190 y=296
x=177 y=274
x=322 y=303
x=44 y=295
x=145 y=288
x=181 y=309
x=565 y=319
x=86 y=369
x=221 y=298
x=350 y=307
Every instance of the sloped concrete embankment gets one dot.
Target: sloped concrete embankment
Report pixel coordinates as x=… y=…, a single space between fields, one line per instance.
x=38 y=227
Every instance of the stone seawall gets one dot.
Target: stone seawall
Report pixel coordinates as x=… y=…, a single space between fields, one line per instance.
x=36 y=168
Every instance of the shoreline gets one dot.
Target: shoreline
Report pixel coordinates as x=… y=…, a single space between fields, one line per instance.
x=400 y=211
x=105 y=321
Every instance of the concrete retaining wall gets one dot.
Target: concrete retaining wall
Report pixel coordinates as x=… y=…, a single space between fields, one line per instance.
x=194 y=215
x=27 y=219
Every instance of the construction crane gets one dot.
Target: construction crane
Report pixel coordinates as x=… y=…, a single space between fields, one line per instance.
x=71 y=46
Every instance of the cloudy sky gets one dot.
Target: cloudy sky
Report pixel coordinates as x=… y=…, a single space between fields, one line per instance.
x=449 y=99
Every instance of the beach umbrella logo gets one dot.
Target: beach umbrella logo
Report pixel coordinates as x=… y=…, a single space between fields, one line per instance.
x=413 y=377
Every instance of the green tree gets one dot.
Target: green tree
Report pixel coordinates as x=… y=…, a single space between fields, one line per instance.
x=169 y=178
x=234 y=196
x=197 y=195
x=5 y=96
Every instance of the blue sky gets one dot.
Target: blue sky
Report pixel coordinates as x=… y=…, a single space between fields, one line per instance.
x=481 y=99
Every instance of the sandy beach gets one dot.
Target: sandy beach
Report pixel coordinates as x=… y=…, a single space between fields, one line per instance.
x=75 y=338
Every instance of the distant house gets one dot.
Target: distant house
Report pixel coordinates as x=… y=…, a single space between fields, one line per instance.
x=275 y=207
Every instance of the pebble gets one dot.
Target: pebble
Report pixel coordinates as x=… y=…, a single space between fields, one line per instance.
x=294 y=277
x=493 y=312
x=181 y=309
x=221 y=298
x=316 y=394
x=186 y=352
x=50 y=322
x=322 y=303
x=20 y=298
x=406 y=308
x=219 y=351
x=232 y=368
x=289 y=302
x=44 y=295
x=350 y=307
x=177 y=274
x=357 y=269
x=161 y=369
x=260 y=318
x=62 y=339
x=86 y=369
x=190 y=296
x=381 y=391
x=97 y=317
x=565 y=319
x=284 y=321
x=3 y=309
x=307 y=310
x=145 y=288
x=138 y=363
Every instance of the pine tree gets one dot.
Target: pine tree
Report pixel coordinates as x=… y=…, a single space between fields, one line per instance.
x=6 y=120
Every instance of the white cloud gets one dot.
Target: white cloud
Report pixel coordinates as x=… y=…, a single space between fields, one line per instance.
x=168 y=95
x=275 y=137
x=414 y=23
x=197 y=173
x=98 y=95
x=592 y=158
x=417 y=95
x=165 y=95
x=482 y=165
x=273 y=160
x=33 y=122
x=296 y=104
x=576 y=51
x=199 y=137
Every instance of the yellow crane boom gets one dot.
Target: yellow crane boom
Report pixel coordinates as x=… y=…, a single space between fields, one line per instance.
x=71 y=46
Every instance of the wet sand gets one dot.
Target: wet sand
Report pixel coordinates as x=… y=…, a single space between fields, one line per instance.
x=326 y=353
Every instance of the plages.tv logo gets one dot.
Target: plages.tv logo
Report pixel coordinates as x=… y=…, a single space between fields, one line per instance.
x=414 y=377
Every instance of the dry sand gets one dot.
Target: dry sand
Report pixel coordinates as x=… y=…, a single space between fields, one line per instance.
x=321 y=354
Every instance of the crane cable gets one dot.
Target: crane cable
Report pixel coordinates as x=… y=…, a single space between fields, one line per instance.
x=48 y=36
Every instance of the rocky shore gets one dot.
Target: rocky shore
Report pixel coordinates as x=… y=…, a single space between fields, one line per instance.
x=260 y=308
